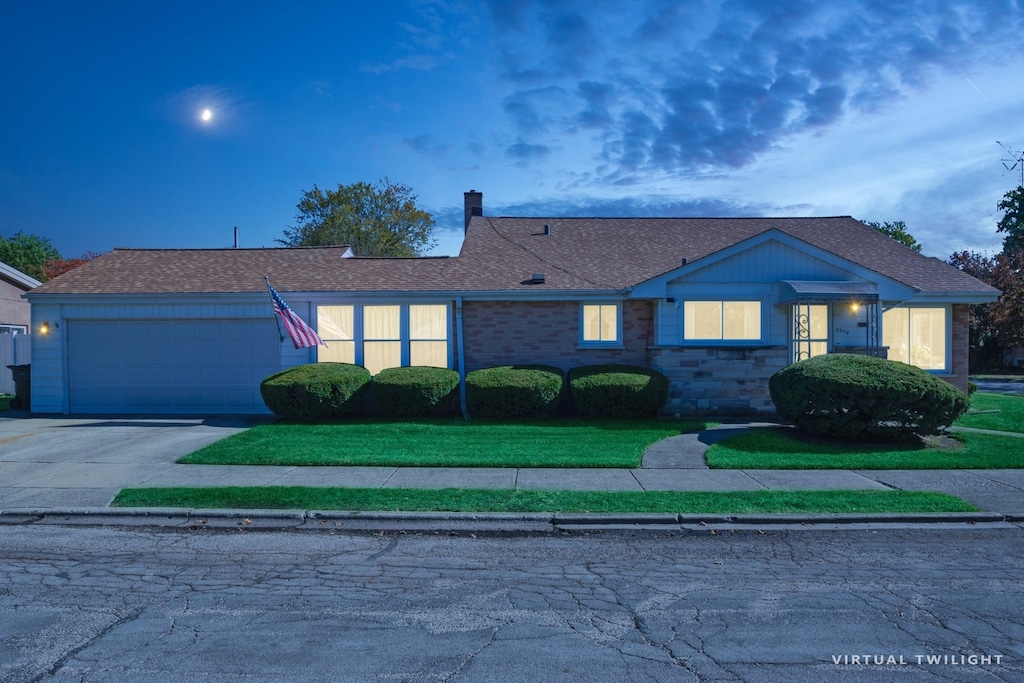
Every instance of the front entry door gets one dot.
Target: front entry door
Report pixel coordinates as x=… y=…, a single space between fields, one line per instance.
x=810 y=331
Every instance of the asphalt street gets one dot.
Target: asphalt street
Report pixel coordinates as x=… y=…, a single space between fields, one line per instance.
x=107 y=604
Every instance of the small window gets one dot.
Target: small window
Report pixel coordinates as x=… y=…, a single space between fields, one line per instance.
x=601 y=324
x=916 y=336
x=722 y=320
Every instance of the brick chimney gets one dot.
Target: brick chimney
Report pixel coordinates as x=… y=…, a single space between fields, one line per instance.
x=474 y=205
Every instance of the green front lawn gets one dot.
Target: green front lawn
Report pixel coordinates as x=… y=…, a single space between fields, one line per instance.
x=444 y=443
x=508 y=500
x=785 y=448
x=994 y=411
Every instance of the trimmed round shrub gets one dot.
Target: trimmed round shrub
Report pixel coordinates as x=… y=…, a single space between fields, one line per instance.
x=513 y=391
x=411 y=392
x=847 y=396
x=317 y=390
x=617 y=391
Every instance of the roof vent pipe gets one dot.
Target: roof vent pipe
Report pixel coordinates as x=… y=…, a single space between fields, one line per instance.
x=537 y=278
x=685 y=260
x=547 y=229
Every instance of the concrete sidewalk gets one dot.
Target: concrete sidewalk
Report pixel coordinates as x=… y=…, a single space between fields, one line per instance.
x=81 y=464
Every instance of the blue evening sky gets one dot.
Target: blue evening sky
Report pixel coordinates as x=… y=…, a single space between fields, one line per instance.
x=880 y=109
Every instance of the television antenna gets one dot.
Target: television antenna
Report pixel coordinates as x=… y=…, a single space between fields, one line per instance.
x=1015 y=162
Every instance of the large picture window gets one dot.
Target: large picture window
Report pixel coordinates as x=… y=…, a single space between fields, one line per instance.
x=916 y=336
x=722 y=320
x=384 y=336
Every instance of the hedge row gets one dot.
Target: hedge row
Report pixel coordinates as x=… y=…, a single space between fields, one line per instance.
x=320 y=390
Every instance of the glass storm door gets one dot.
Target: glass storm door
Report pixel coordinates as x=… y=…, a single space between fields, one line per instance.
x=810 y=331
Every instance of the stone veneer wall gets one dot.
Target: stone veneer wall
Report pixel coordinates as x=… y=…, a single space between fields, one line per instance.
x=719 y=381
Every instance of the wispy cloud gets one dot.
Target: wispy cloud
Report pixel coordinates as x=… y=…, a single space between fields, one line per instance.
x=226 y=106
x=426 y=41
x=425 y=144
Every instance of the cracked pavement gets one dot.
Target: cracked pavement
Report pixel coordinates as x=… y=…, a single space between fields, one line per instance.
x=115 y=604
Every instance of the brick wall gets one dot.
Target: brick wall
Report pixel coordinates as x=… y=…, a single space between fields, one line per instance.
x=961 y=347
x=548 y=332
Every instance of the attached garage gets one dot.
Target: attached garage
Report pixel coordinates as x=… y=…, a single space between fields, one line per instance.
x=170 y=366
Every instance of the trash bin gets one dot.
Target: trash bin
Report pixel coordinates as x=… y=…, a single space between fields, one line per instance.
x=22 y=387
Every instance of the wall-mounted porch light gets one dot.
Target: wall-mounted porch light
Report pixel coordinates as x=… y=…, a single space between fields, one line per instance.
x=44 y=328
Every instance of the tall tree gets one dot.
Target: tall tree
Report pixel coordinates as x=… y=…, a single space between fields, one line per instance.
x=985 y=343
x=374 y=220
x=55 y=267
x=1012 y=222
x=997 y=327
x=896 y=230
x=27 y=253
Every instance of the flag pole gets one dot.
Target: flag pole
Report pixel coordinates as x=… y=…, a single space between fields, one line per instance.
x=277 y=318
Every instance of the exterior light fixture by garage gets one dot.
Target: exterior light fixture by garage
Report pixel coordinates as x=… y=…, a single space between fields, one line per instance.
x=44 y=328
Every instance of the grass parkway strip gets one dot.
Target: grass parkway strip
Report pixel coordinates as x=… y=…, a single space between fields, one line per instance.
x=509 y=500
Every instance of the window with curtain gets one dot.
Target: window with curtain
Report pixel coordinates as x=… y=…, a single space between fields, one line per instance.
x=601 y=323
x=428 y=335
x=382 y=339
x=722 y=320
x=336 y=326
x=384 y=336
x=916 y=336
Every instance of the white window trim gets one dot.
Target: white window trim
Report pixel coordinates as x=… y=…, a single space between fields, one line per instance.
x=683 y=341
x=948 y=332
x=617 y=343
x=403 y=326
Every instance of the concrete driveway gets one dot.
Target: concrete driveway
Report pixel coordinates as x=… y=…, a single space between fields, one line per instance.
x=96 y=456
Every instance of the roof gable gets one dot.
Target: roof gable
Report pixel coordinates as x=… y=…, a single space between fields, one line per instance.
x=770 y=257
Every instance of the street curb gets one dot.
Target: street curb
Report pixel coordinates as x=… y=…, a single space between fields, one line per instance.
x=453 y=521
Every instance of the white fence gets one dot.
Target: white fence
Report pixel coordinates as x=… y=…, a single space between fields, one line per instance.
x=15 y=349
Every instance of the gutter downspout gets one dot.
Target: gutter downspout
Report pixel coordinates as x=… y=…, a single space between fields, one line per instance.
x=462 y=358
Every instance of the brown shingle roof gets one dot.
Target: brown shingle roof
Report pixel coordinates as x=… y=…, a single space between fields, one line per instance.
x=321 y=269
x=501 y=254
x=589 y=253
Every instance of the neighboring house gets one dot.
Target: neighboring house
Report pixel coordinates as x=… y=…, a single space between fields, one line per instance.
x=15 y=318
x=717 y=304
x=15 y=312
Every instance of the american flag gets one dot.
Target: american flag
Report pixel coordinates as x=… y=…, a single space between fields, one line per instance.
x=302 y=334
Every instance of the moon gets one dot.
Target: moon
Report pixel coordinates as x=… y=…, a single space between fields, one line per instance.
x=206 y=116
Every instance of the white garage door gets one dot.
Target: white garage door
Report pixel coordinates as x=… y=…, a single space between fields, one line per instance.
x=170 y=366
